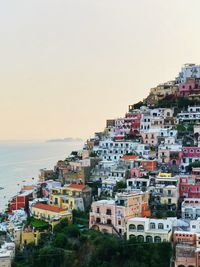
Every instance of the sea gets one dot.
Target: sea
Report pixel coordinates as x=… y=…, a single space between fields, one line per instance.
x=20 y=163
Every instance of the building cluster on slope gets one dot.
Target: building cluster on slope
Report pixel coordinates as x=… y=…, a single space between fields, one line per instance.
x=138 y=178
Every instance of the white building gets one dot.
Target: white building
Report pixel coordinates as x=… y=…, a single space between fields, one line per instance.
x=137 y=183
x=166 y=194
x=190 y=208
x=195 y=225
x=192 y=114
x=7 y=254
x=150 y=230
x=188 y=71
x=114 y=150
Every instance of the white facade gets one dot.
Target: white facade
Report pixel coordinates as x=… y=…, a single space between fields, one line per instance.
x=114 y=150
x=7 y=254
x=150 y=230
x=188 y=71
x=190 y=208
x=137 y=183
x=195 y=225
x=145 y=122
x=166 y=194
x=192 y=114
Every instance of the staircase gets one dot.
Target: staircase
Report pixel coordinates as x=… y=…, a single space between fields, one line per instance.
x=116 y=231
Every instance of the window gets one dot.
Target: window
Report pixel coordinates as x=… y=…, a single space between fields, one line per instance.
x=169 y=192
x=152 y=226
x=109 y=221
x=140 y=238
x=98 y=211
x=108 y=212
x=132 y=227
x=98 y=220
x=149 y=239
x=157 y=239
x=140 y=227
x=119 y=222
x=160 y=226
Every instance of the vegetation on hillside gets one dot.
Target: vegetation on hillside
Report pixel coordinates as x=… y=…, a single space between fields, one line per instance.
x=70 y=247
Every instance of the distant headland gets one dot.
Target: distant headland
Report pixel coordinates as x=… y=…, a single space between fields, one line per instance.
x=67 y=139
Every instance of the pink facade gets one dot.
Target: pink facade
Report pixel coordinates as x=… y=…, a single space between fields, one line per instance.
x=129 y=125
x=150 y=138
x=137 y=172
x=191 y=152
x=111 y=216
x=175 y=158
x=189 y=187
x=191 y=86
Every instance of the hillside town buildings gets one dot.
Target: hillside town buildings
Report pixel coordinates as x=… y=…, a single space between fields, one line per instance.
x=138 y=178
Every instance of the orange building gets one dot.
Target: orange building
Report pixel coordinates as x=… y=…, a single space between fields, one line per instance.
x=147 y=165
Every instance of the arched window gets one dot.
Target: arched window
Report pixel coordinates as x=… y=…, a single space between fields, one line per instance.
x=152 y=226
x=181 y=265
x=140 y=238
x=173 y=162
x=132 y=227
x=157 y=239
x=149 y=239
x=131 y=236
x=98 y=220
x=160 y=226
x=140 y=227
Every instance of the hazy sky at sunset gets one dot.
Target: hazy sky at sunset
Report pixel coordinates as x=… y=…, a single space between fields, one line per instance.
x=68 y=65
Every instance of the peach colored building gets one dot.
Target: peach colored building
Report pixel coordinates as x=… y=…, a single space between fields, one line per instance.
x=111 y=216
x=185 y=249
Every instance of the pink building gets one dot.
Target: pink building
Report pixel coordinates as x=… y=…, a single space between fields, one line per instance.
x=110 y=216
x=137 y=172
x=129 y=125
x=189 y=186
x=191 y=86
x=170 y=154
x=191 y=152
x=190 y=155
x=150 y=138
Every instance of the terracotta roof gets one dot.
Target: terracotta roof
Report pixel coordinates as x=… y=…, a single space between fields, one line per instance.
x=129 y=157
x=77 y=186
x=48 y=207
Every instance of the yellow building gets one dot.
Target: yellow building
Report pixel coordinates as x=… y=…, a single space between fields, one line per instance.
x=67 y=202
x=50 y=213
x=74 y=196
x=160 y=91
x=30 y=236
x=164 y=175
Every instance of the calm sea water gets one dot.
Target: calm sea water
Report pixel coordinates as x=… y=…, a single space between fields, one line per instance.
x=21 y=161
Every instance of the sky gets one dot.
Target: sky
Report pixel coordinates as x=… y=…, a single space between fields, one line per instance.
x=68 y=65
